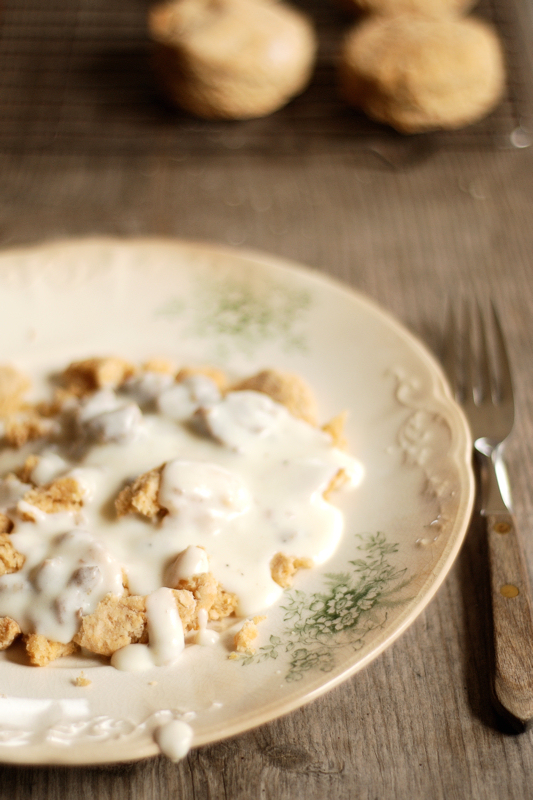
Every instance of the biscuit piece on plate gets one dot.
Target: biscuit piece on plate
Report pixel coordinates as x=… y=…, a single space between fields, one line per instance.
x=41 y=651
x=13 y=387
x=283 y=568
x=141 y=496
x=231 y=59
x=246 y=635
x=25 y=426
x=83 y=377
x=286 y=388
x=9 y=630
x=10 y=559
x=63 y=494
x=419 y=74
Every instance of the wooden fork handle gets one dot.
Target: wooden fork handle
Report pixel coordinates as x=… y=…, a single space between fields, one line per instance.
x=512 y=617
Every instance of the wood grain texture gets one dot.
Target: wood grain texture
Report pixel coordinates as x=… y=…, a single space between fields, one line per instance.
x=418 y=722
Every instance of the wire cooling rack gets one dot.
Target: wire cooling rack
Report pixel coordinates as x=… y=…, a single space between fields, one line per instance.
x=75 y=77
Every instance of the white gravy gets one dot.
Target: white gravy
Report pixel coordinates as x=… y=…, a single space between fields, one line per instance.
x=174 y=739
x=243 y=480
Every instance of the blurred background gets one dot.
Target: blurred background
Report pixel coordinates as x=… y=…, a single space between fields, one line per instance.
x=75 y=78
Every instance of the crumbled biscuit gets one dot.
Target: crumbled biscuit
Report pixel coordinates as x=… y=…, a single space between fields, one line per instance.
x=9 y=630
x=141 y=496
x=225 y=604
x=13 y=386
x=203 y=587
x=285 y=388
x=6 y=524
x=340 y=479
x=10 y=559
x=283 y=568
x=24 y=472
x=210 y=595
x=41 y=651
x=50 y=408
x=187 y=608
x=163 y=365
x=335 y=428
x=82 y=377
x=63 y=494
x=216 y=375
x=116 y=622
x=243 y=639
x=119 y=621
x=431 y=8
x=81 y=680
x=25 y=426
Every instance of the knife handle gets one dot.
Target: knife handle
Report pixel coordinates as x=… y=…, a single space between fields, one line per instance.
x=512 y=618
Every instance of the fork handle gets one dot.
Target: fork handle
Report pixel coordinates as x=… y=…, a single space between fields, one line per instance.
x=512 y=618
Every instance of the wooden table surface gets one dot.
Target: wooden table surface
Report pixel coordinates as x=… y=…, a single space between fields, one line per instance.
x=85 y=148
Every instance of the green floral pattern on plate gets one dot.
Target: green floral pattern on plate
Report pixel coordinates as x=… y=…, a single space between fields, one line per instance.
x=234 y=312
x=353 y=604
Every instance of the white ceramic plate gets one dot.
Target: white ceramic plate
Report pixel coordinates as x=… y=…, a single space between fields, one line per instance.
x=404 y=525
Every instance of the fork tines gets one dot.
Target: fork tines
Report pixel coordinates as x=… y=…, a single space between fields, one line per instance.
x=468 y=345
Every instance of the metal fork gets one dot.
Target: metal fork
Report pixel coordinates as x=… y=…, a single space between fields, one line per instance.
x=483 y=386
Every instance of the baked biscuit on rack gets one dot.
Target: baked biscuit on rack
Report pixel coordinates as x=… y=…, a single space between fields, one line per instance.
x=419 y=74
x=231 y=59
